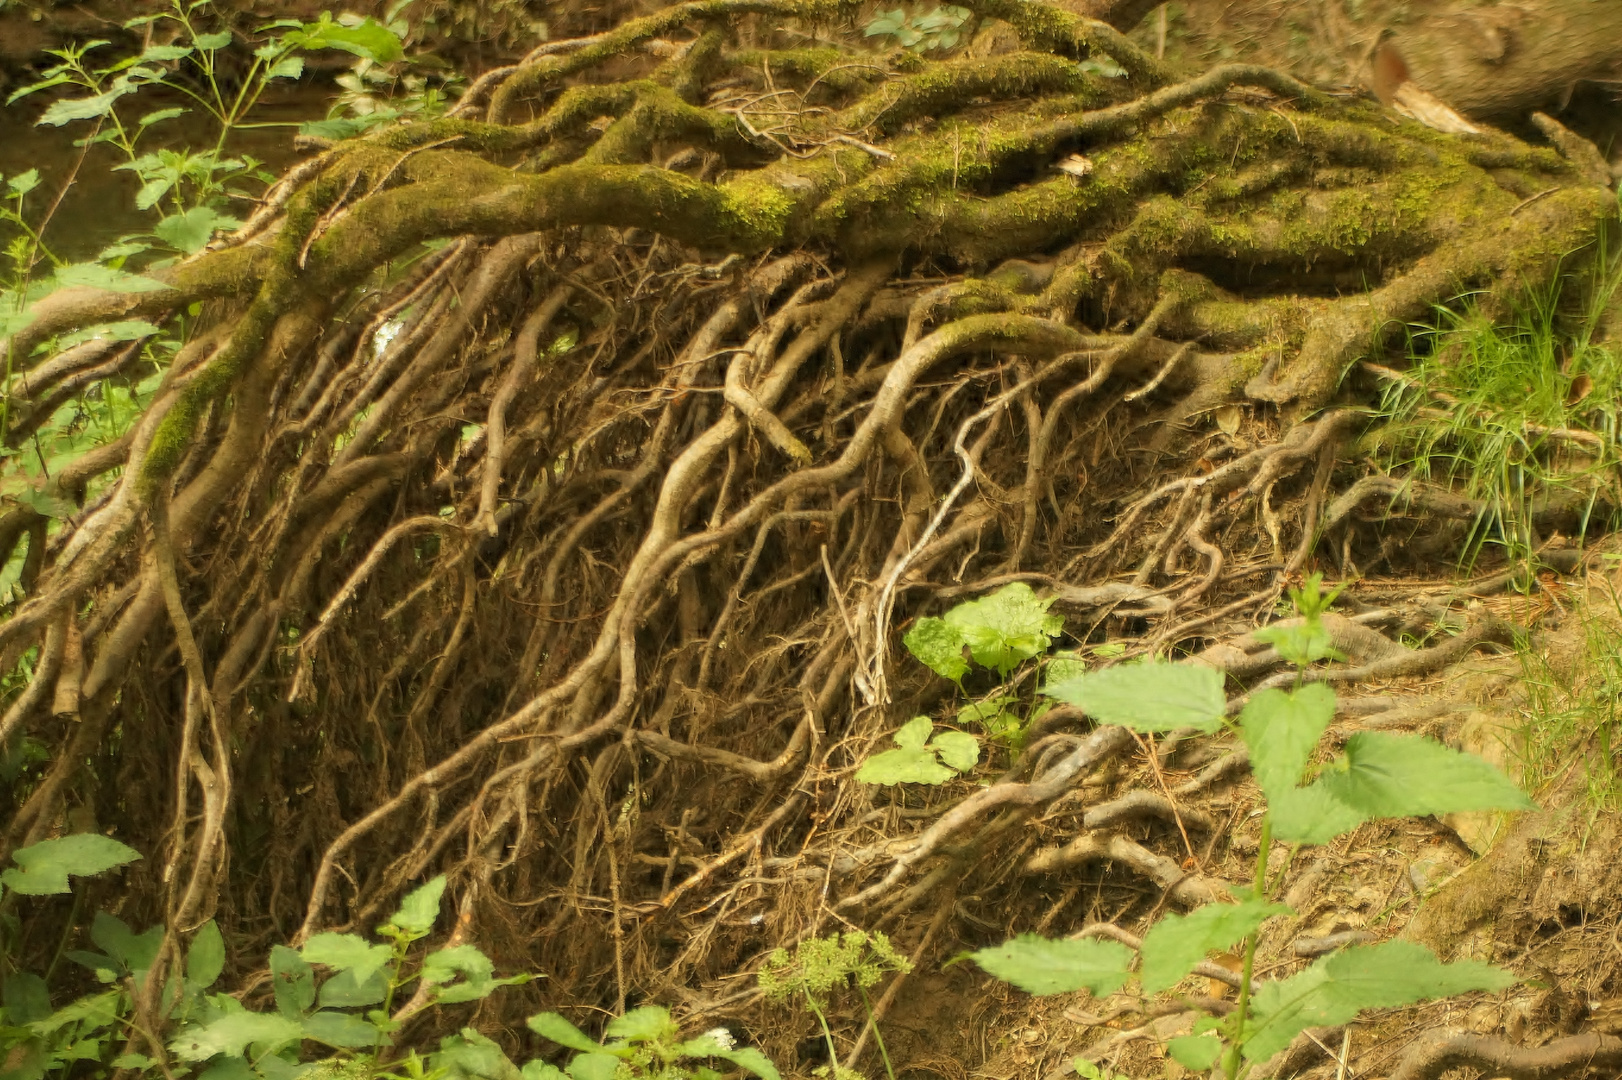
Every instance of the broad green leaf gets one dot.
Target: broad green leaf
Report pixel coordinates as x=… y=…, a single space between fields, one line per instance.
x=43 y=868
x=232 y=1034
x=468 y=1055
x=1311 y=815
x=14 y=322
x=163 y=53
x=205 y=958
x=939 y=646
x=23 y=183
x=1385 y=775
x=1042 y=966
x=542 y=1070
x=44 y=84
x=339 y=1029
x=192 y=230
x=68 y=110
x=1282 y=730
x=94 y=276
x=346 y=952
x=914 y=733
x=989 y=713
x=152 y=191
x=293 y=981
x=744 y=1057
x=446 y=964
x=1064 y=666
x=476 y=990
x=550 y=1025
x=125 y=330
x=1153 y=696
x=420 y=908
x=904 y=766
x=345 y=991
x=136 y=952
x=1302 y=643
x=138 y=1062
x=160 y=115
x=958 y=749
x=1008 y=627
x=1338 y=987
x=96 y=1010
x=1196 y=1052
x=235 y=1068
x=594 y=1067
x=370 y=39
x=641 y=1025
x=1176 y=943
x=288 y=67
x=211 y=42
x=25 y=997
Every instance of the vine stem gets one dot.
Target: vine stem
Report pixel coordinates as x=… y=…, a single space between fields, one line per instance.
x=878 y=1036
x=828 y=1036
x=1264 y=845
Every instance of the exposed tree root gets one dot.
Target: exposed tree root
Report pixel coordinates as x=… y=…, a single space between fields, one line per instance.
x=569 y=555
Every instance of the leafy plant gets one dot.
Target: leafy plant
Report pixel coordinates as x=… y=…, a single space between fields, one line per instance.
x=1378 y=775
x=43 y=868
x=941 y=28
x=920 y=758
x=1000 y=631
x=819 y=966
x=644 y=1042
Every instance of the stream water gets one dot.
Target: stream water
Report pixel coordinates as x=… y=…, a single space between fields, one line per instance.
x=98 y=206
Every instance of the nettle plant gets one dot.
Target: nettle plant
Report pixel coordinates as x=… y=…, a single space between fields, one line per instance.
x=338 y=993
x=1378 y=775
x=1001 y=631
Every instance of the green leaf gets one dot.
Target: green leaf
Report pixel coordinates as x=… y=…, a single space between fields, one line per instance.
x=550 y=1025
x=191 y=230
x=293 y=981
x=744 y=1057
x=232 y=1034
x=1008 y=627
x=211 y=42
x=1385 y=775
x=43 y=868
x=958 y=749
x=151 y=192
x=235 y=1068
x=23 y=183
x=95 y=276
x=339 y=1029
x=136 y=952
x=468 y=1055
x=370 y=39
x=345 y=991
x=1042 y=966
x=138 y=1062
x=594 y=1067
x=420 y=908
x=475 y=991
x=1311 y=815
x=205 y=959
x=1301 y=643
x=95 y=1011
x=126 y=330
x=1153 y=696
x=163 y=53
x=650 y=1022
x=159 y=116
x=541 y=1070
x=939 y=646
x=1176 y=943
x=288 y=67
x=26 y=997
x=909 y=765
x=346 y=952
x=1196 y=1052
x=914 y=733
x=1338 y=987
x=446 y=964
x=1282 y=730
x=67 y=110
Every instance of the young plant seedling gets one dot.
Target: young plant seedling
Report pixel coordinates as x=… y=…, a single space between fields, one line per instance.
x=818 y=966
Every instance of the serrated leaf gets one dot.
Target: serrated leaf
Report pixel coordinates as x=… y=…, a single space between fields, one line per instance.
x=346 y=952
x=24 y=182
x=345 y=991
x=293 y=981
x=235 y=1068
x=192 y=230
x=211 y=42
x=95 y=276
x=1006 y=628
x=914 y=733
x=541 y=1070
x=25 y=996
x=1282 y=730
x=288 y=67
x=43 y=868
x=369 y=39
x=958 y=749
x=420 y=908
x=339 y=1029
x=1042 y=966
x=152 y=191
x=744 y=1057
x=159 y=116
x=67 y=110
x=1386 y=775
x=1302 y=643
x=163 y=53
x=551 y=1025
x=1338 y=987
x=1153 y=696
x=446 y=964
x=594 y=1067
x=205 y=957
x=94 y=1010
x=1175 y=944
x=232 y=1034
x=905 y=766
x=642 y=1024
x=1311 y=815
x=939 y=646
x=1196 y=1052
x=475 y=991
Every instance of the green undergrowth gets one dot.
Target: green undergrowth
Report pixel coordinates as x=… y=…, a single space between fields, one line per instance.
x=1519 y=412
